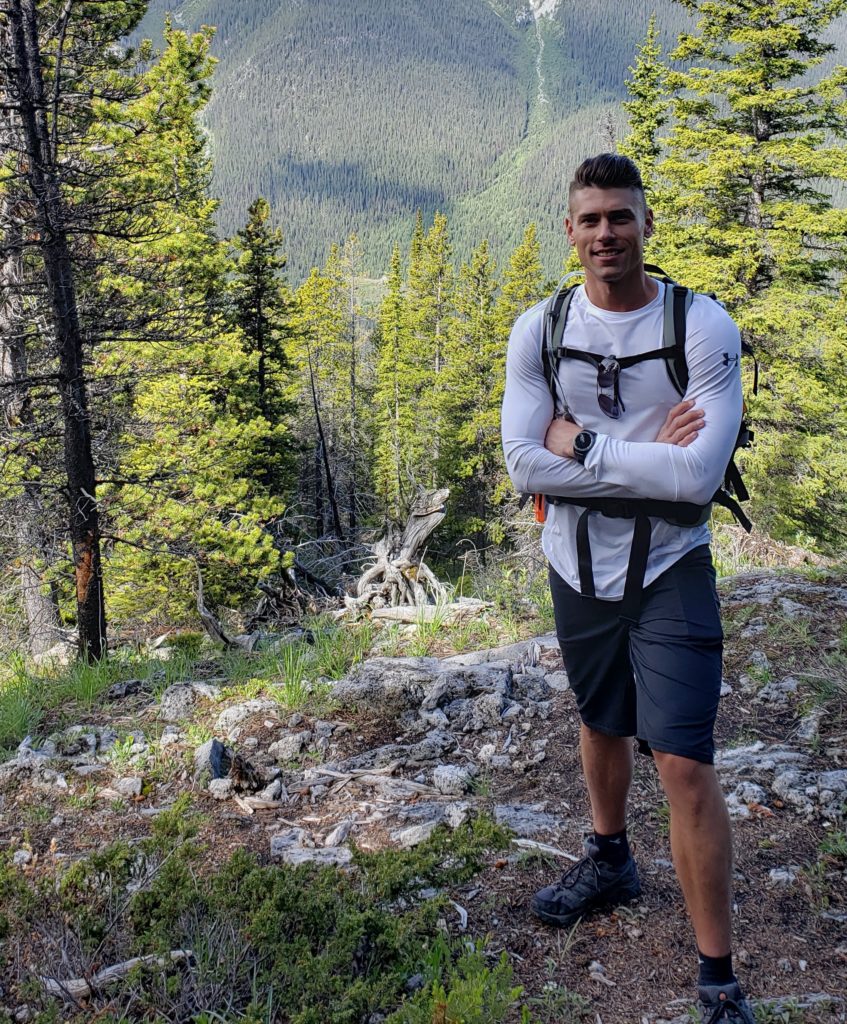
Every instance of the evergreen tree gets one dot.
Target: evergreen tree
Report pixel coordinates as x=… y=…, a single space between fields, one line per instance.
x=331 y=391
x=430 y=293
x=399 y=436
x=648 y=107
x=745 y=210
x=523 y=282
x=261 y=310
x=471 y=456
x=202 y=455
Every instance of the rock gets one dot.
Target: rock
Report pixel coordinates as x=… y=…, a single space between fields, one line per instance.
x=558 y=681
x=414 y=835
x=286 y=840
x=339 y=834
x=273 y=791
x=391 y=684
x=726 y=689
x=756 y=759
x=500 y=761
x=751 y=793
x=295 y=720
x=177 y=702
x=170 y=736
x=452 y=780
x=432 y=747
x=212 y=760
x=21 y=858
x=779 y=692
x=512 y=653
x=324 y=729
x=531 y=686
x=230 y=718
x=288 y=748
x=130 y=786
x=808 y=731
x=221 y=789
x=337 y=856
x=526 y=819
x=435 y=719
x=486 y=712
x=785 y=875
x=759 y=660
x=456 y=814
x=486 y=752
x=126 y=688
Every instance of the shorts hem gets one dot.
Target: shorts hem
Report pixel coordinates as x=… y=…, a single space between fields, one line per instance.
x=605 y=731
x=700 y=757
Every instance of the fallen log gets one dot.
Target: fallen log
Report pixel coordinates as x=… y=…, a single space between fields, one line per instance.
x=83 y=988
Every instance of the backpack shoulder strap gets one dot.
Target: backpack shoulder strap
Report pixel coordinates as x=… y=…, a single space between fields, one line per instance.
x=678 y=301
x=553 y=329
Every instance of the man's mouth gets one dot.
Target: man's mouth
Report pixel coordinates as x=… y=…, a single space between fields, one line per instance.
x=604 y=253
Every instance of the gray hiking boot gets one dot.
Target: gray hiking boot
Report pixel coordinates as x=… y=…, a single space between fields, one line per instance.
x=588 y=885
x=724 y=1003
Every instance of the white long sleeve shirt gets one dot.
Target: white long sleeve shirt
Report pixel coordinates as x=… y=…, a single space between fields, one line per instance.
x=625 y=461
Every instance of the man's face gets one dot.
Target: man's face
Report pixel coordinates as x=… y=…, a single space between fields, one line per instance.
x=608 y=227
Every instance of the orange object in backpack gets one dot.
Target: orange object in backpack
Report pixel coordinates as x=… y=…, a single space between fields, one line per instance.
x=539 y=503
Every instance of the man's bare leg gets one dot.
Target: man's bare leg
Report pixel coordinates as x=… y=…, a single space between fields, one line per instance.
x=607 y=762
x=701 y=843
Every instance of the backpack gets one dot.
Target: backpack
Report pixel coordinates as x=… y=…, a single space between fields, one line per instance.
x=678 y=301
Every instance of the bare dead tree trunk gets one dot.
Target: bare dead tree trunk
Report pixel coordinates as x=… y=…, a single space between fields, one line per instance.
x=398 y=575
x=43 y=179
x=38 y=599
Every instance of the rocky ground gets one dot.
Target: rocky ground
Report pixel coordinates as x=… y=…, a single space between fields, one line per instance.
x=403 y=745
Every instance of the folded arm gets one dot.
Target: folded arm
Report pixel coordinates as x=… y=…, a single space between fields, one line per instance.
x=526 y=416
x=691 y=472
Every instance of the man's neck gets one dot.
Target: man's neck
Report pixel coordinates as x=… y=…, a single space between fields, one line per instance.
x=621 y=296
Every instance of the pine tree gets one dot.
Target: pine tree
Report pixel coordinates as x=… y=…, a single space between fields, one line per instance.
x=326 y=355
x=398 y=434
x=648 y=107
x=261 y=310
x=202 y=458
x=471 y=456
x=430 y=293
x=745 y=210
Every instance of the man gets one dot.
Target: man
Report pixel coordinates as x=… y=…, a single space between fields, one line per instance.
x=642 y=644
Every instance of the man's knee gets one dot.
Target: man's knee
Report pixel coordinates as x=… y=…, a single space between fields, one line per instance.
x=685 y=779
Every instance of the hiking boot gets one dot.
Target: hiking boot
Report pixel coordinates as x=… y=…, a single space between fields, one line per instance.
x=723 y=1003
x=589 y=884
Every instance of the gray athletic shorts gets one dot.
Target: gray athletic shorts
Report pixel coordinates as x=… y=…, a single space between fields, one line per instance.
x=659 y=679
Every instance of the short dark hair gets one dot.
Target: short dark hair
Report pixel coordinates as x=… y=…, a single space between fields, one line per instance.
x=608 y=170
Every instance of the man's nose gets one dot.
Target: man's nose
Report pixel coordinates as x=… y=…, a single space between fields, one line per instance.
x=606 y=229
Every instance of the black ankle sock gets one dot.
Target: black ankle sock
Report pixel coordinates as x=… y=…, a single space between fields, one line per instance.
x=612 y=850
x=715 y=970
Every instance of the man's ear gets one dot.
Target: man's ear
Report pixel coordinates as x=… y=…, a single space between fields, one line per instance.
x=569 y=230
x=649 y=223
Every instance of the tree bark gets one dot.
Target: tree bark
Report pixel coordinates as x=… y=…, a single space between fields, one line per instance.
x=25 y=510
x=43 y=179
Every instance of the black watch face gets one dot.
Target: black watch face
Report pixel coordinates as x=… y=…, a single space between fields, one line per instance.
x=582 y=441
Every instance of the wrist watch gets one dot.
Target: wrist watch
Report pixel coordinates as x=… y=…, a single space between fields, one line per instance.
x=582 y=444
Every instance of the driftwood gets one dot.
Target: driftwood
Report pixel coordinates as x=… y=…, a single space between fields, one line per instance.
x=82 y=988
x=399 y=576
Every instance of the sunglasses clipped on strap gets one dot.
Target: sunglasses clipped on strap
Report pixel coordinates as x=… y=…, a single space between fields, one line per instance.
x=608 y=387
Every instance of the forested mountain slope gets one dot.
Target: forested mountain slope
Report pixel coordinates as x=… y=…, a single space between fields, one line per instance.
x=349 y=117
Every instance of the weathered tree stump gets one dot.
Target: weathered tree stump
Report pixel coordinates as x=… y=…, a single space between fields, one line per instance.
x=399 y=576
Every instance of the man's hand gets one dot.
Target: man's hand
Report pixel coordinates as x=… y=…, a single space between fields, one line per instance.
x=560 y=435
x=682 y=425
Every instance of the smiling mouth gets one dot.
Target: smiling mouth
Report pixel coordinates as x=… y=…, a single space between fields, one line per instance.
x=605 y=253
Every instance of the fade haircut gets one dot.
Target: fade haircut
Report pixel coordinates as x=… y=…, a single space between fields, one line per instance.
x=608 y=170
